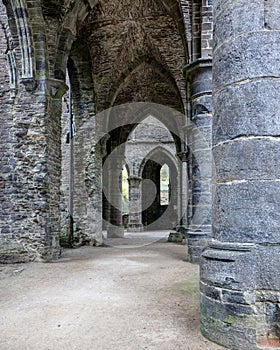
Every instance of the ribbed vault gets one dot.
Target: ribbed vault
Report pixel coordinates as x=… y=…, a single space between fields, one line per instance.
x=122 y=36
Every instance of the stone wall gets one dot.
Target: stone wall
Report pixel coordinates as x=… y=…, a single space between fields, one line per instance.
x=86 y=155
x=206 y=28
x=34 y=140
x=6 y=137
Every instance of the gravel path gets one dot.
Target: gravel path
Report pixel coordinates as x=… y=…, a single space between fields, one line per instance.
x=118 y=298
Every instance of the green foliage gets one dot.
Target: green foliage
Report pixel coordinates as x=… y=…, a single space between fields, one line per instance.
x=125 y=192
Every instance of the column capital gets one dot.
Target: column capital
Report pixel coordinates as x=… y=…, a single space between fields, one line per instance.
x=134 y=180
x=183 y=156
x=200 y=64
x=199 y=76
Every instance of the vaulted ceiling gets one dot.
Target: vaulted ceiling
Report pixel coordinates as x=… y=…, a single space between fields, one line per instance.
x=137 y=51
x=137 y=48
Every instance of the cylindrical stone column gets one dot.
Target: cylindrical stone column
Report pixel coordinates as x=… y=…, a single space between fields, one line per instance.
x=183 y=200
x=135 y=204
x=240 y=275
x=115 y=228
x=199 y=77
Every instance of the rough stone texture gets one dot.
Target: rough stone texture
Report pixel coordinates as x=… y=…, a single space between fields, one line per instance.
x=240 y=281
x=199 y=142
x=118 y=52
x=123 y=42
x=31 y=224
x=135 y=204
x=206 y=41
x=7 y=161
x=65 y=166
x=87 y=155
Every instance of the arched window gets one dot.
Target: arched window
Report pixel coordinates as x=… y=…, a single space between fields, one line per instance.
x=164 y=185
x=125 y=191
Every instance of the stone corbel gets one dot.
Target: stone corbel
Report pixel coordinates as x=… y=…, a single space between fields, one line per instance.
x=56 y=88
x=183 y=156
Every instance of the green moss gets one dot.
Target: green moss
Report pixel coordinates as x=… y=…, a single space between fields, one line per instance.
x=190 y=288
x=231 y=320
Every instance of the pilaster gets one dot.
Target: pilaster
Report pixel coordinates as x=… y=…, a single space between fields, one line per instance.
x=199 y=78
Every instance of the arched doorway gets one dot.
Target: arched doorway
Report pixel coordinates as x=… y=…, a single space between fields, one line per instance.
x=160 y=191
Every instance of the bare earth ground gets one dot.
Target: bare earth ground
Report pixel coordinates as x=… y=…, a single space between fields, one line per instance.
x=120 y=297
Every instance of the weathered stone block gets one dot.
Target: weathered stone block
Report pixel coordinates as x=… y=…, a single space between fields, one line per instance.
x=233 y=20
x=234 y=118
x=234 y=328
x=248 y=158
x=271 y=15
x=247 y=211
x=267 y=261
x=250 y=56
x=12 y=253
x=225 y=268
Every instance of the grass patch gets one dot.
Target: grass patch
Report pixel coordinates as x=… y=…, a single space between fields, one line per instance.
x=190 y=288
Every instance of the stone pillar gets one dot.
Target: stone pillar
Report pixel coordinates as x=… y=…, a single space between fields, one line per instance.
x=240 y=275
x=188 y=133
x=183 y=200
x=199 y=77
x=115 y=227
x=135 y=204
x=32 y=189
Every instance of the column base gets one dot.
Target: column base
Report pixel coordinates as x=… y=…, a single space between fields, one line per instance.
x=115 y=231
x=135 y=228
x=181 y=228
x=227 y=295
x=197 y=242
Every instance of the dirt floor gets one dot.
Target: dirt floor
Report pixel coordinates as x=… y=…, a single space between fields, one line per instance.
x=129 y=295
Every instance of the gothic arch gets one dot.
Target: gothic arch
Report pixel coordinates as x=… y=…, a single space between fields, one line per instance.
x=71 y=31
x=124 y=119
x=156 y=65
x=178 y=10
x=154 y=214
x=158 y=151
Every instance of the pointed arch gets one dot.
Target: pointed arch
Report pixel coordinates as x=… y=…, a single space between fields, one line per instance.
x=164 y=184
x=70 y=32
x=134 y=113
x=160 y=154
x=179 y=12
x=158 y=67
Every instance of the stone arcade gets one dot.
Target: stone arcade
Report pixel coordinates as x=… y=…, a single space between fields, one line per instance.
x=119 y=64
